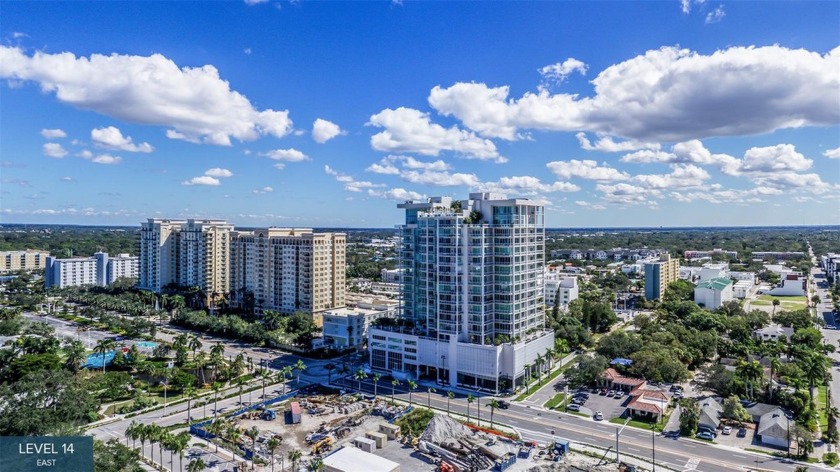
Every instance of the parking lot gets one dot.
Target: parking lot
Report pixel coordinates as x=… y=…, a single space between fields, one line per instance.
x=609 y=406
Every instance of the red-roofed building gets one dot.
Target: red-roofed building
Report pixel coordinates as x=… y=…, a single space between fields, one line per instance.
x=647 y=401
x=612 y=379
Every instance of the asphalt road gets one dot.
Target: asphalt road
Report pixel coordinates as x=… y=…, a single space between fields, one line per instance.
x=537 y=424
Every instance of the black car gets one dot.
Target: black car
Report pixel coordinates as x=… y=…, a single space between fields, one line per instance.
x=503 y=404
x=742 y=432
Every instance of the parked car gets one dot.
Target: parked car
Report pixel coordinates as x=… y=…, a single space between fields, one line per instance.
x=727 y=430
x=504 y=405
x=705 y=435
x=598 y=416
x=618 y=394
x=573 y=407
x=706 y=429
x=611 y=393
x=742 y=432
x=603 y=391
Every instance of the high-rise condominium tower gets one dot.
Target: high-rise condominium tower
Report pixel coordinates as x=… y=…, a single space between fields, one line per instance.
x=189 y=253
x=471 y=293
x=288 y=270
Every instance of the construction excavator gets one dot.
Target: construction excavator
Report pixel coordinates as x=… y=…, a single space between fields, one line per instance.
x=322 y=446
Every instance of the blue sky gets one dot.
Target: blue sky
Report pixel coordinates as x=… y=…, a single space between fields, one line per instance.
x=327 y=114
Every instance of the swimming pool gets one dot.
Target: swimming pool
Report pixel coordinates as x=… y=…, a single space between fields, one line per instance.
x=96 y=360
x=146 y=344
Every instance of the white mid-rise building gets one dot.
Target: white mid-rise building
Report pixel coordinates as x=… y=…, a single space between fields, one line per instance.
x=561 y=291
x=100 y=269
x=714 y=271
x=472 y=307
x=289 y=270
x=74 y=272
x=791 y=284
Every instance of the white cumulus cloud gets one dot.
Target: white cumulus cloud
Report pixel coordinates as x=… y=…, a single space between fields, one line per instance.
x=715 y=15
x=832 y=153
x=559 y=72
x=100 y=158
x=261 y=191
x=323 y=130
x=410 y=130
x=585 y=169
x=667 y=94
x=608 y=144
x=54 y=150
x=112 y=138
x=202 y=180
x=397 y=194
x=53 y=133
x=288 y=155
x=195 y=103
x=218 y=172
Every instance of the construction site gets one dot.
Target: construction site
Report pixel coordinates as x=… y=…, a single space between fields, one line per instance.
x=351 y=434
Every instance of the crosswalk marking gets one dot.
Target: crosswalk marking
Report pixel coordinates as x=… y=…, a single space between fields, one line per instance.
x=692 y=464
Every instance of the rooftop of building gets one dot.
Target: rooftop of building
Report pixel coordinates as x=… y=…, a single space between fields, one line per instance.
x=717 y=284
x=351 y=458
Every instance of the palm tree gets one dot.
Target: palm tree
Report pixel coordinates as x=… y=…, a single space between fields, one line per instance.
x=315 y=464
x=143 y=434
x=814 y=367
x=449 y=396
x=294 y=456
x=179 y=444
x=549 y=356
x=750 y=372
x=272 y=445
x=162 y=437
x=775 y=363
x=394 y=384
x=196 y=465
x=195 y=344
x=253 y=433
x=300 y=366
x=776 y=303
x=430 y=391
x=375 y=378
x=75 y=355
x=412 y=385
x=287 y=371
x=200 y=360
x=493 y=405
x=103 y=347
x=216 y=387
x=216 y=428
x=539 y=362
x=470 y=399
x=240 y=381
x=360 y=375
x=131 y=432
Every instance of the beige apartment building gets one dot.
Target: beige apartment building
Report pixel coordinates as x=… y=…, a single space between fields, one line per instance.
x=288 y=270
x=30 y=259
x=659 y=274
x=189 y=253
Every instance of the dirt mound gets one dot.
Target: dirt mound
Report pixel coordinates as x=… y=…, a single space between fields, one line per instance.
x=443 y=428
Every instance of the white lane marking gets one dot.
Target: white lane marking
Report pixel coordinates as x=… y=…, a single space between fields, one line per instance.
x=692 y=464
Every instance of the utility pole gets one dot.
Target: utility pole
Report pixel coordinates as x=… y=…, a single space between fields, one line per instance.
x=617 y=434
x=653 y=444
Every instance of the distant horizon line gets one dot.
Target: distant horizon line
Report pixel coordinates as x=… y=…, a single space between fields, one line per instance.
x=557 y=228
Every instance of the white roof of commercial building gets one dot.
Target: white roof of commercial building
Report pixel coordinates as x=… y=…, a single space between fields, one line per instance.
x=354 y=459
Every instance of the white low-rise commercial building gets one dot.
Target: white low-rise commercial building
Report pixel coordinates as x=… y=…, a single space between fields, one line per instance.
x=791 y=285
x=713 y=293
x=742 y=288
x=391 y=276
x=353 y=459
x=348 y=327
x=714 y=271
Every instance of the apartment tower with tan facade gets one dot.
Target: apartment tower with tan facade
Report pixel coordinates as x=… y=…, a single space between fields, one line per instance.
x=660 y=274
x=189 y=253
x=30 y=259
x=288 y=270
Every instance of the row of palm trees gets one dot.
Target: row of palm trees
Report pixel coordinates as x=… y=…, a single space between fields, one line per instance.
x=412 y=386
x=153 y=433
